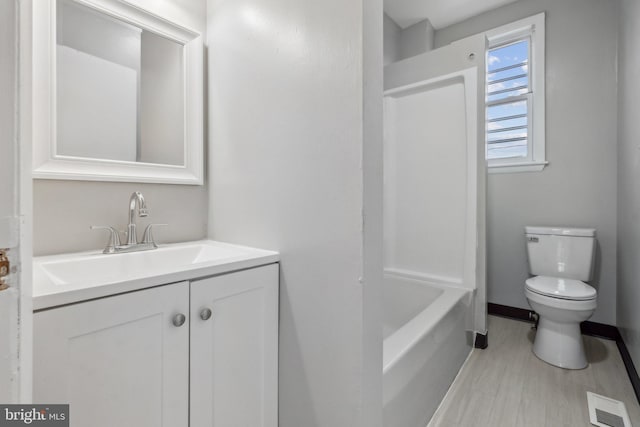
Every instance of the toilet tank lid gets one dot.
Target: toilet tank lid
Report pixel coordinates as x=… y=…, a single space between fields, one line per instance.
x=561 y=231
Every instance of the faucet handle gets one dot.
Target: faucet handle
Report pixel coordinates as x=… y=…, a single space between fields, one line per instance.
x=147 y=237
x=114 y=238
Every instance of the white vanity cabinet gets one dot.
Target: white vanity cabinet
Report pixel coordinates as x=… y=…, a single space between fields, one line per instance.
x=133 y=360
x=234 y=353
x=118 y=361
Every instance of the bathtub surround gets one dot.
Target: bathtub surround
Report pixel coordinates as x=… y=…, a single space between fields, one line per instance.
x=433 y=233
x=295 y=148
x=628 y=315
x=578 y=188
x=430 y=233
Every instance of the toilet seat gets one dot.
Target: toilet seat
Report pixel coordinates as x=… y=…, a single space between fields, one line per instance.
x=557 y=287
x=567 y=305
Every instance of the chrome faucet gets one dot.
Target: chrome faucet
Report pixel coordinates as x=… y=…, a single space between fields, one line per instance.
x=136 y=198
x=114 y=246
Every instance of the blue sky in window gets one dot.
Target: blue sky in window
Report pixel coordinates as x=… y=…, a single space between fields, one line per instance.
x=515 y=54
x=514 y=57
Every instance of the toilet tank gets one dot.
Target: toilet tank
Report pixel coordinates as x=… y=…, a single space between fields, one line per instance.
x=561 y=252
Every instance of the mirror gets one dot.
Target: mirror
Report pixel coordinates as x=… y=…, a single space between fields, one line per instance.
x=119 y=89
x=126 y=90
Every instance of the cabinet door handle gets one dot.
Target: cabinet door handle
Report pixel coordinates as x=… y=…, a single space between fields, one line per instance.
x=179 y=319
x=205 y=314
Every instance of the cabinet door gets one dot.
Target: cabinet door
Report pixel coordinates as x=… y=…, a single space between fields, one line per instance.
x=118 y=361
x=234 y=354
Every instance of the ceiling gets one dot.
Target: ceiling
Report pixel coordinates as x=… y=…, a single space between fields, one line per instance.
x=441 y=13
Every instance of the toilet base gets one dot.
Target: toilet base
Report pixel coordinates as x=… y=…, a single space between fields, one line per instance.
x=560 y=344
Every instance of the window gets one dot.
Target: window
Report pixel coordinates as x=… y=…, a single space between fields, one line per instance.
x=515 y=130
x=508 y=101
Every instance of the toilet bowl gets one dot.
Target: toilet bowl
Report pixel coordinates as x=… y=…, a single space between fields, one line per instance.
x=560 y=258
x=558 y=339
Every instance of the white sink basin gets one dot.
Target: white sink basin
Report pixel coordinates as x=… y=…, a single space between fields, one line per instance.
x=62 y=279
x=113 y=267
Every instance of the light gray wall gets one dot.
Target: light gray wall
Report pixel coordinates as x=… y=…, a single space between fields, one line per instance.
x=97 y=57
x=416 y=39
x=8 y=101
x=404 y=43
x=288 y=121
x=372 y=212
x=8 y=190
x=629 y=179
x=81 y=28
x=391 y=40
x=63 y=210
x=578 y=188
x=161 y=101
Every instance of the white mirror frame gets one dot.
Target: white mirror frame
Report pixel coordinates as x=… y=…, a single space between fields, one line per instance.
x=49 y=165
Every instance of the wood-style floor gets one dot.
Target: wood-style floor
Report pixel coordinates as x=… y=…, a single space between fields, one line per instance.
x=507 y=385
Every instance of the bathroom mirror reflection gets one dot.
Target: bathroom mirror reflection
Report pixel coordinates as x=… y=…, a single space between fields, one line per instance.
x=118 y=93
x=119 y=89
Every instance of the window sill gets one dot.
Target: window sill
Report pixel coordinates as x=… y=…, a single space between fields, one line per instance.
x=517 y=167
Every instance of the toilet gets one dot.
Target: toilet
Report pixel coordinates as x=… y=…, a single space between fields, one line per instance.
x=561 y=261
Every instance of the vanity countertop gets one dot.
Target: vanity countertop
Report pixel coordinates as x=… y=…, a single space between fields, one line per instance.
x=69 y=278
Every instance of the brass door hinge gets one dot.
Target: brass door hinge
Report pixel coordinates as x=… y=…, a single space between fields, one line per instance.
x=5 y=268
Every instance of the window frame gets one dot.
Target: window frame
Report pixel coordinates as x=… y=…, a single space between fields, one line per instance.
x=532 y=28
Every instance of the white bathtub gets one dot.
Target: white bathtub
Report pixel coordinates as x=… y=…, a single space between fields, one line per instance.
x=426 y=341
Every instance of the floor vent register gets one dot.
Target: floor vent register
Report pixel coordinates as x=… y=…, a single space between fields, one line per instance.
x=606 y=412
